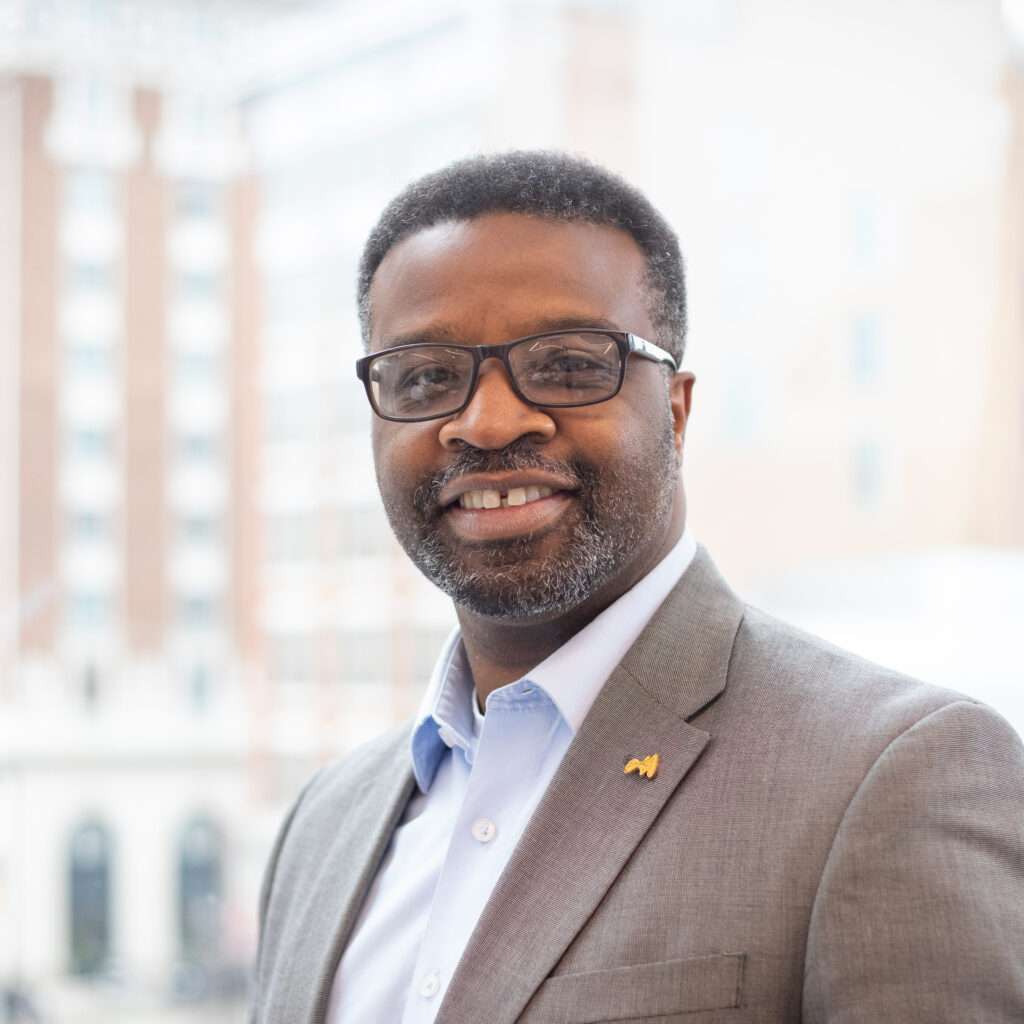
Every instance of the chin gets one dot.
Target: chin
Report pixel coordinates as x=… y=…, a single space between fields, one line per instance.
x=514 y=606
x=513 y=584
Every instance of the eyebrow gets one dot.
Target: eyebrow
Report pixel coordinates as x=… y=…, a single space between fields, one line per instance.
x=448 y=334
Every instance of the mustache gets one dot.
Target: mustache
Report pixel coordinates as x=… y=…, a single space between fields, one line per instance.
x=519 y=455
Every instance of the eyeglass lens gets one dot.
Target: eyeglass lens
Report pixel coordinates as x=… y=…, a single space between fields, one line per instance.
x=563 y=369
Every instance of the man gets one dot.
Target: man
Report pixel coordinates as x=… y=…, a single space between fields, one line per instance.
x=626 y=796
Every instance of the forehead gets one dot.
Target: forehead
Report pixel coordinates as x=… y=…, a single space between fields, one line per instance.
x=502 y=275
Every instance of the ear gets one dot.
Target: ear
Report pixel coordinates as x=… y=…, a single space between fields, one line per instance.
x=680 y=398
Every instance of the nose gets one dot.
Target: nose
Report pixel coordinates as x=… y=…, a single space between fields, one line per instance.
x=496 y=416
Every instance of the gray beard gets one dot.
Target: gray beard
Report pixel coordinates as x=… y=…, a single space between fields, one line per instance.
x=553 y=585
x=617 y=518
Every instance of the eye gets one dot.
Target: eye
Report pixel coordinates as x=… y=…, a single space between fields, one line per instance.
x=571 y=362
x=434 y=376
x=426 y=383
x=566 y=365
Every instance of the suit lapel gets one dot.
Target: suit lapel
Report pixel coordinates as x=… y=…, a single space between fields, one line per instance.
x=593 y=815
x=349 y=867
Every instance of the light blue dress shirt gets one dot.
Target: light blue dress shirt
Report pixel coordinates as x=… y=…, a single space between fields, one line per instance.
x=479 y=779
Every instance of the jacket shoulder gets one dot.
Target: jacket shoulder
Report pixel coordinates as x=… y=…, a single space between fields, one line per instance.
x=340 y=780
x=793 y=676
x=331 y=837
x=329 y=797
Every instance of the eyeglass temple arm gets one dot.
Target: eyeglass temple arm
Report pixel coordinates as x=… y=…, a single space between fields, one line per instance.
x=649 y=350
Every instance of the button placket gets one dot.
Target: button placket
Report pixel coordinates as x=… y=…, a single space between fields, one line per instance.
x=483 y=830
x=430 y=984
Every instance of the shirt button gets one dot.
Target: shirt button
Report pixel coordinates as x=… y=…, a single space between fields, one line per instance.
x=429 y=984
x=484 y=830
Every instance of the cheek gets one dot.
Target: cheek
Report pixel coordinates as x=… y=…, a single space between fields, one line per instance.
x=623 y=434
x=611 y=452
x=401 y=453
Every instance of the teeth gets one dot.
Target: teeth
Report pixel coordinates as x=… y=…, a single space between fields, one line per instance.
x=495 y=499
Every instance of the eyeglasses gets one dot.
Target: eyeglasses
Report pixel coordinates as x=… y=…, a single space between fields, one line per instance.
x=561 y=370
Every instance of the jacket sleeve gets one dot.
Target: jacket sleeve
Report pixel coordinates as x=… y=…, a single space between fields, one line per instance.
x=266 y=887
x=919 y=915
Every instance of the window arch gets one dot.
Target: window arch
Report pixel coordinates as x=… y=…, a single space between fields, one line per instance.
x=90 y=855
x=200 y=890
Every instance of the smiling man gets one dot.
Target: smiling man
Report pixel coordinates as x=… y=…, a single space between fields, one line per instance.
x=626 y=796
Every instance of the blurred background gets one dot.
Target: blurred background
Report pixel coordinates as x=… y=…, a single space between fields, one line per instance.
x=200 y=600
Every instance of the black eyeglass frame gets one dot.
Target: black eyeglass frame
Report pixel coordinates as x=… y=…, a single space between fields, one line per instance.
x=628 y=344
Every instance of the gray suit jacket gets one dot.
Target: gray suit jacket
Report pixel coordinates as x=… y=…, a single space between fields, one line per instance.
x=824 y=841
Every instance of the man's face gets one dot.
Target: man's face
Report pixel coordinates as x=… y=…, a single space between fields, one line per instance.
x=612 y=469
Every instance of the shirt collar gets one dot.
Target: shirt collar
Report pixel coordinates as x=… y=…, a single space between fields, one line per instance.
x=572 y=676
x=445 y=716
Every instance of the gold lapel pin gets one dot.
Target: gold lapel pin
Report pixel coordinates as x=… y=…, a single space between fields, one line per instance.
x=648 y=766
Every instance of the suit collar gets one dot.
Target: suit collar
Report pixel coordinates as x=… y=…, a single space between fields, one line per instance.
x=682 y=658
x=572 y=676
x=593 y=815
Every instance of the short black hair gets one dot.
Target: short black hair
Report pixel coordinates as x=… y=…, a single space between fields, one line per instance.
x=540 y=183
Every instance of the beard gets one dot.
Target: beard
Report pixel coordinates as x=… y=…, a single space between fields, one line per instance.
x=618 y=509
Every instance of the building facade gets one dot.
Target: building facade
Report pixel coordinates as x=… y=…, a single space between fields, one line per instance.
x=125 y=760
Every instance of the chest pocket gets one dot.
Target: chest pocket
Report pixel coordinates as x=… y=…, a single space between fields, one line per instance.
x=644 y=990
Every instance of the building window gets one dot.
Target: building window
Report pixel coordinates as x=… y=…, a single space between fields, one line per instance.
x=359 y=531
x=198 y=611
x=89 y=191
x=86 y=360
x=89 y=610
x=384 y=657
x=366 y=657
x=196 y=368
x=740 y=408
x=295 y=298
x=291 y=415
x=425 y=647
x=866 y=350
x=865 y=232
x=291 y=537
x=198 y=286
x=89 y=898
x=90 y=442
x=199 y=686
x=200 y=892
x=868 y=474
x=293 y=657
x=197 y=199
x=197 y=447
x=199 y=529
x=90 y=687
x=89 y=526
x=89 y=277
x=348 y=412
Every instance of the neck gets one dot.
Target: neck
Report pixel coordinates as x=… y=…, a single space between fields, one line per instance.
x=500 y=652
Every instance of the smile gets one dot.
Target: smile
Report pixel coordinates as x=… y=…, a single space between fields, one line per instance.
x=495 y=516
x=514 y=496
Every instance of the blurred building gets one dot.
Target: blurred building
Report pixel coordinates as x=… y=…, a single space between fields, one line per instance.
x=850 y=208
x=129 y=593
